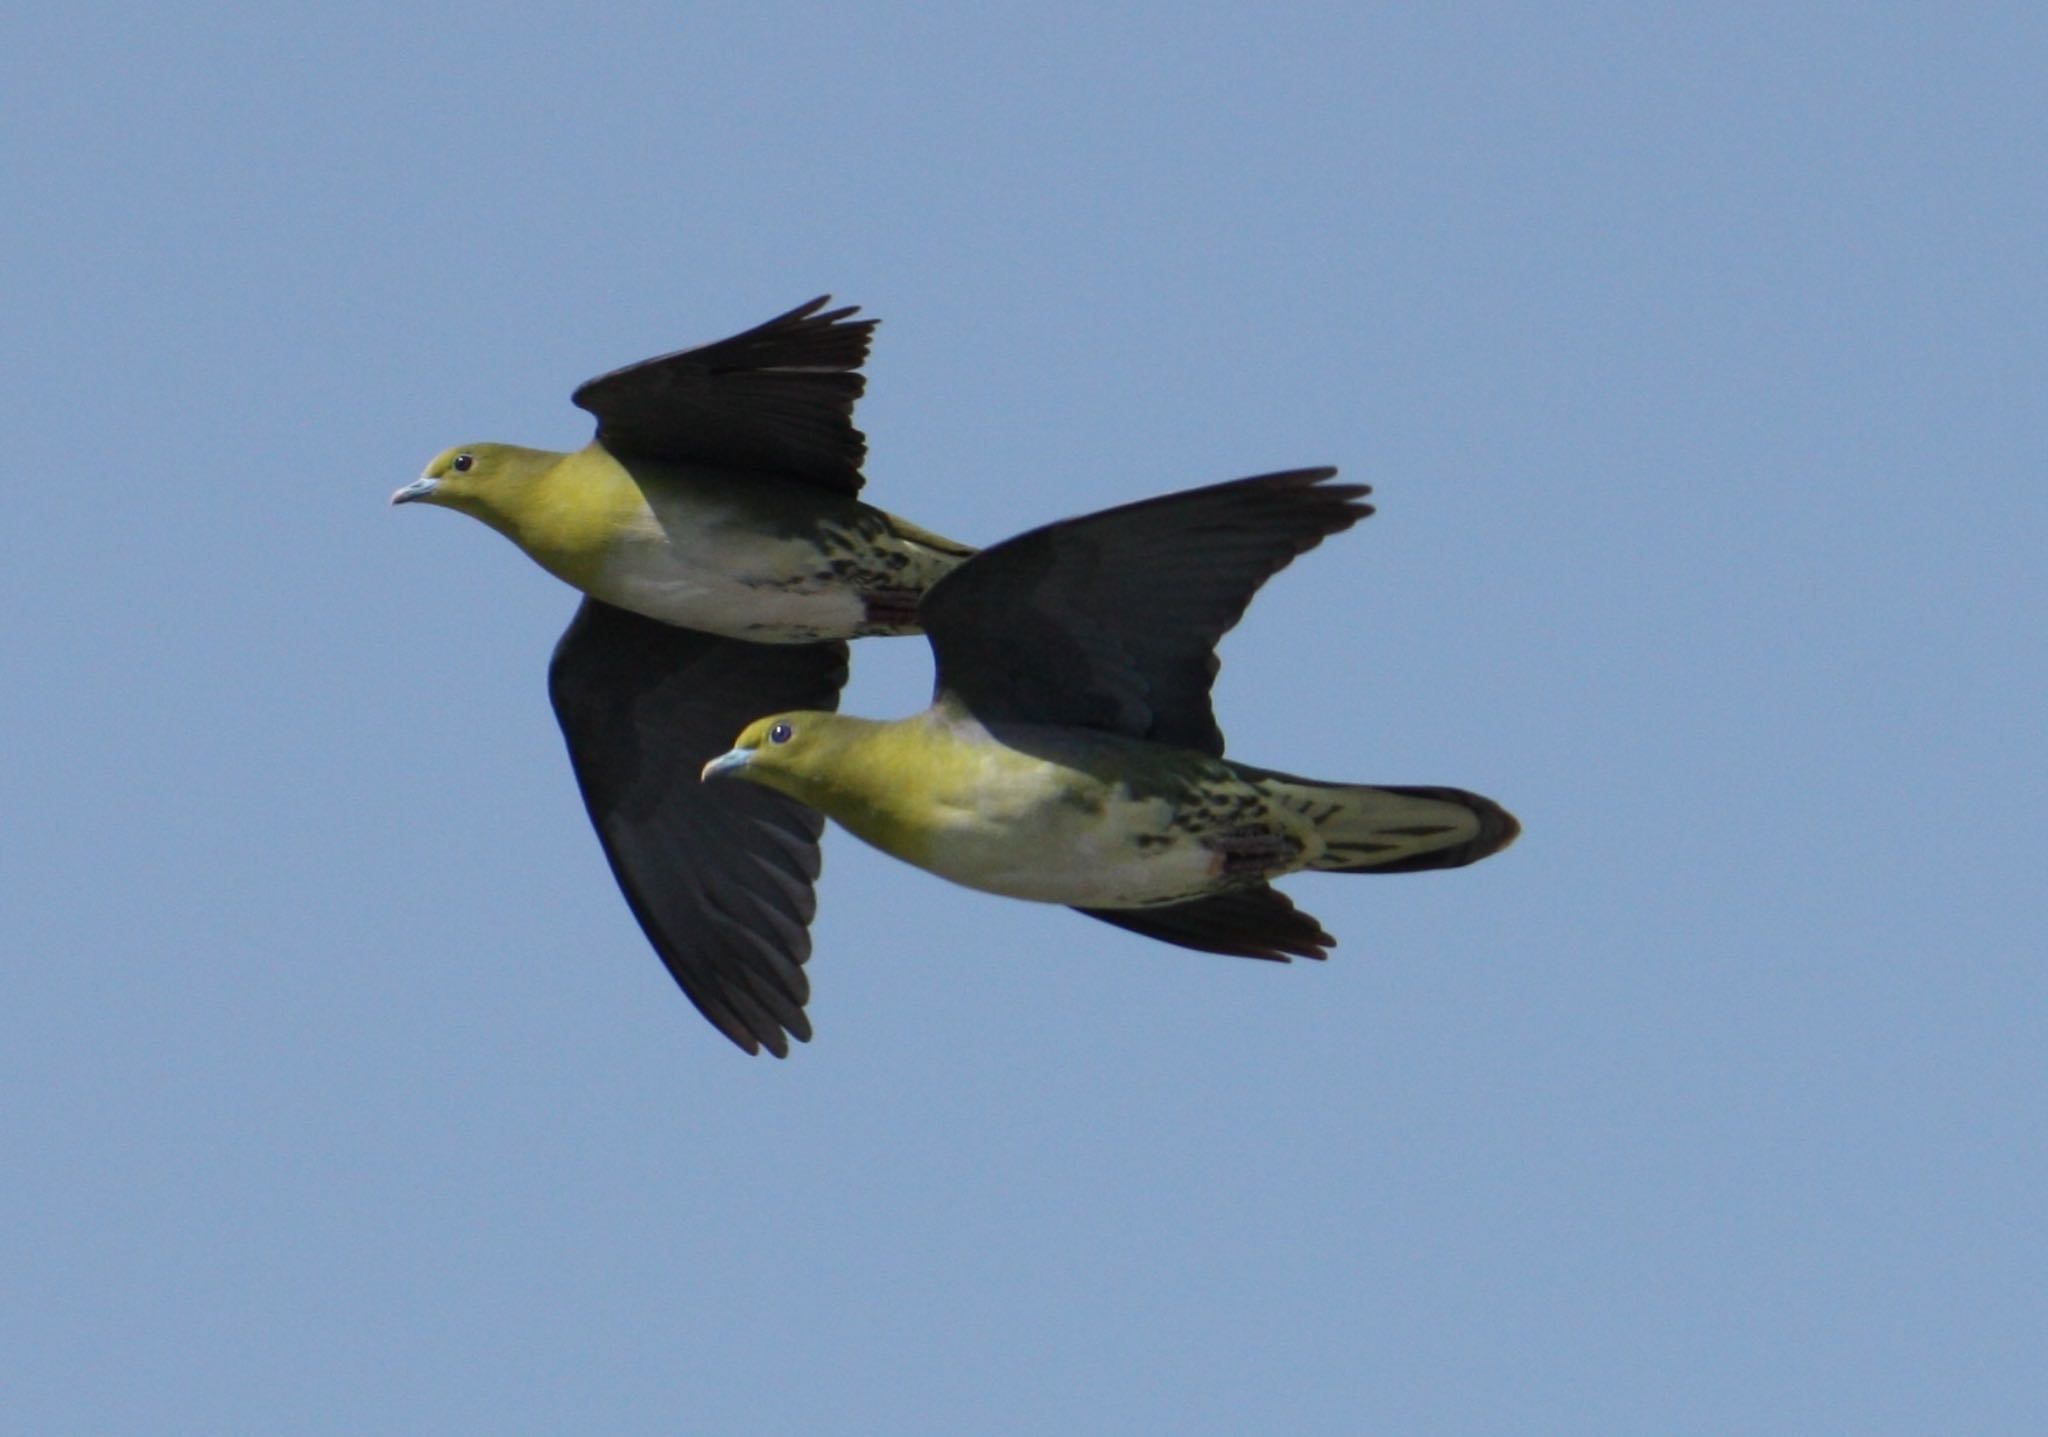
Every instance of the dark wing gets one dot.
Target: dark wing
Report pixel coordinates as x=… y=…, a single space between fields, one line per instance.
x=1110 y=621
x=779 y=398
x=1257 y=922
x=719 y=875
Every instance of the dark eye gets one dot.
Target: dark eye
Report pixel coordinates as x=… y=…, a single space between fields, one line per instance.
x=779 y=734
x=463 y=463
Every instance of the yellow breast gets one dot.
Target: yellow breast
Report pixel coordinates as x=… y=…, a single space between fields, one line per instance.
x=577 y=512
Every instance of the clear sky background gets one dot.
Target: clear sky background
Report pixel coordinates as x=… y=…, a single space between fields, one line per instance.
x=1699 y=364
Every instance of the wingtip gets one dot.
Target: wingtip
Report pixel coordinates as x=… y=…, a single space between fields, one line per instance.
x=760 y=1036
x=814 y=312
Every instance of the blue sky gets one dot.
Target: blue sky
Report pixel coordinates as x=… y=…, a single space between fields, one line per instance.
x=1697 y=361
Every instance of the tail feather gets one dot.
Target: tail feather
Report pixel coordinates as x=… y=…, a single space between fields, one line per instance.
x=1411 y=829
x=1389 y=828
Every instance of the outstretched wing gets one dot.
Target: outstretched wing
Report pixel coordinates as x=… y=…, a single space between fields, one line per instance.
x=1110 y=621
x=1256 y=922
x=719 y=875
x=779 y=398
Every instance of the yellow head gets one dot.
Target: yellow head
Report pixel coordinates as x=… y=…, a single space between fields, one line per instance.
x=496 y=483
x=794 y=752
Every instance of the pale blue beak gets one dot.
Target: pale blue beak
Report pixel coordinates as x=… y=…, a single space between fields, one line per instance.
x=731 y=762
x=420 y=488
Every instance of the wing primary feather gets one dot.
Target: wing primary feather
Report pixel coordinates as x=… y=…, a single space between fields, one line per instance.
x=1110 y=621
x=1255 y=922
x=719 y=876
x=775 y=398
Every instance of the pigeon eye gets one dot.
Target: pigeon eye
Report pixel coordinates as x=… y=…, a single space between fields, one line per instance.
x=463 y=463
x=780 y=733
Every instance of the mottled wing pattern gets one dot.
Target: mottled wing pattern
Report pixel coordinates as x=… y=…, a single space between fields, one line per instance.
x=719 y=875
x=1110 y=621
x=777 y=398
x=1256 y=922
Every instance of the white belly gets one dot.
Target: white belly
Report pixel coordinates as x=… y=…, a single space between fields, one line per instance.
x=738 y=586
x=1015 y=842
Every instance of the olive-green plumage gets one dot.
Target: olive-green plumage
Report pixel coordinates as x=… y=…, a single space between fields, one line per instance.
x=1070 y=755
x=714 y=527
